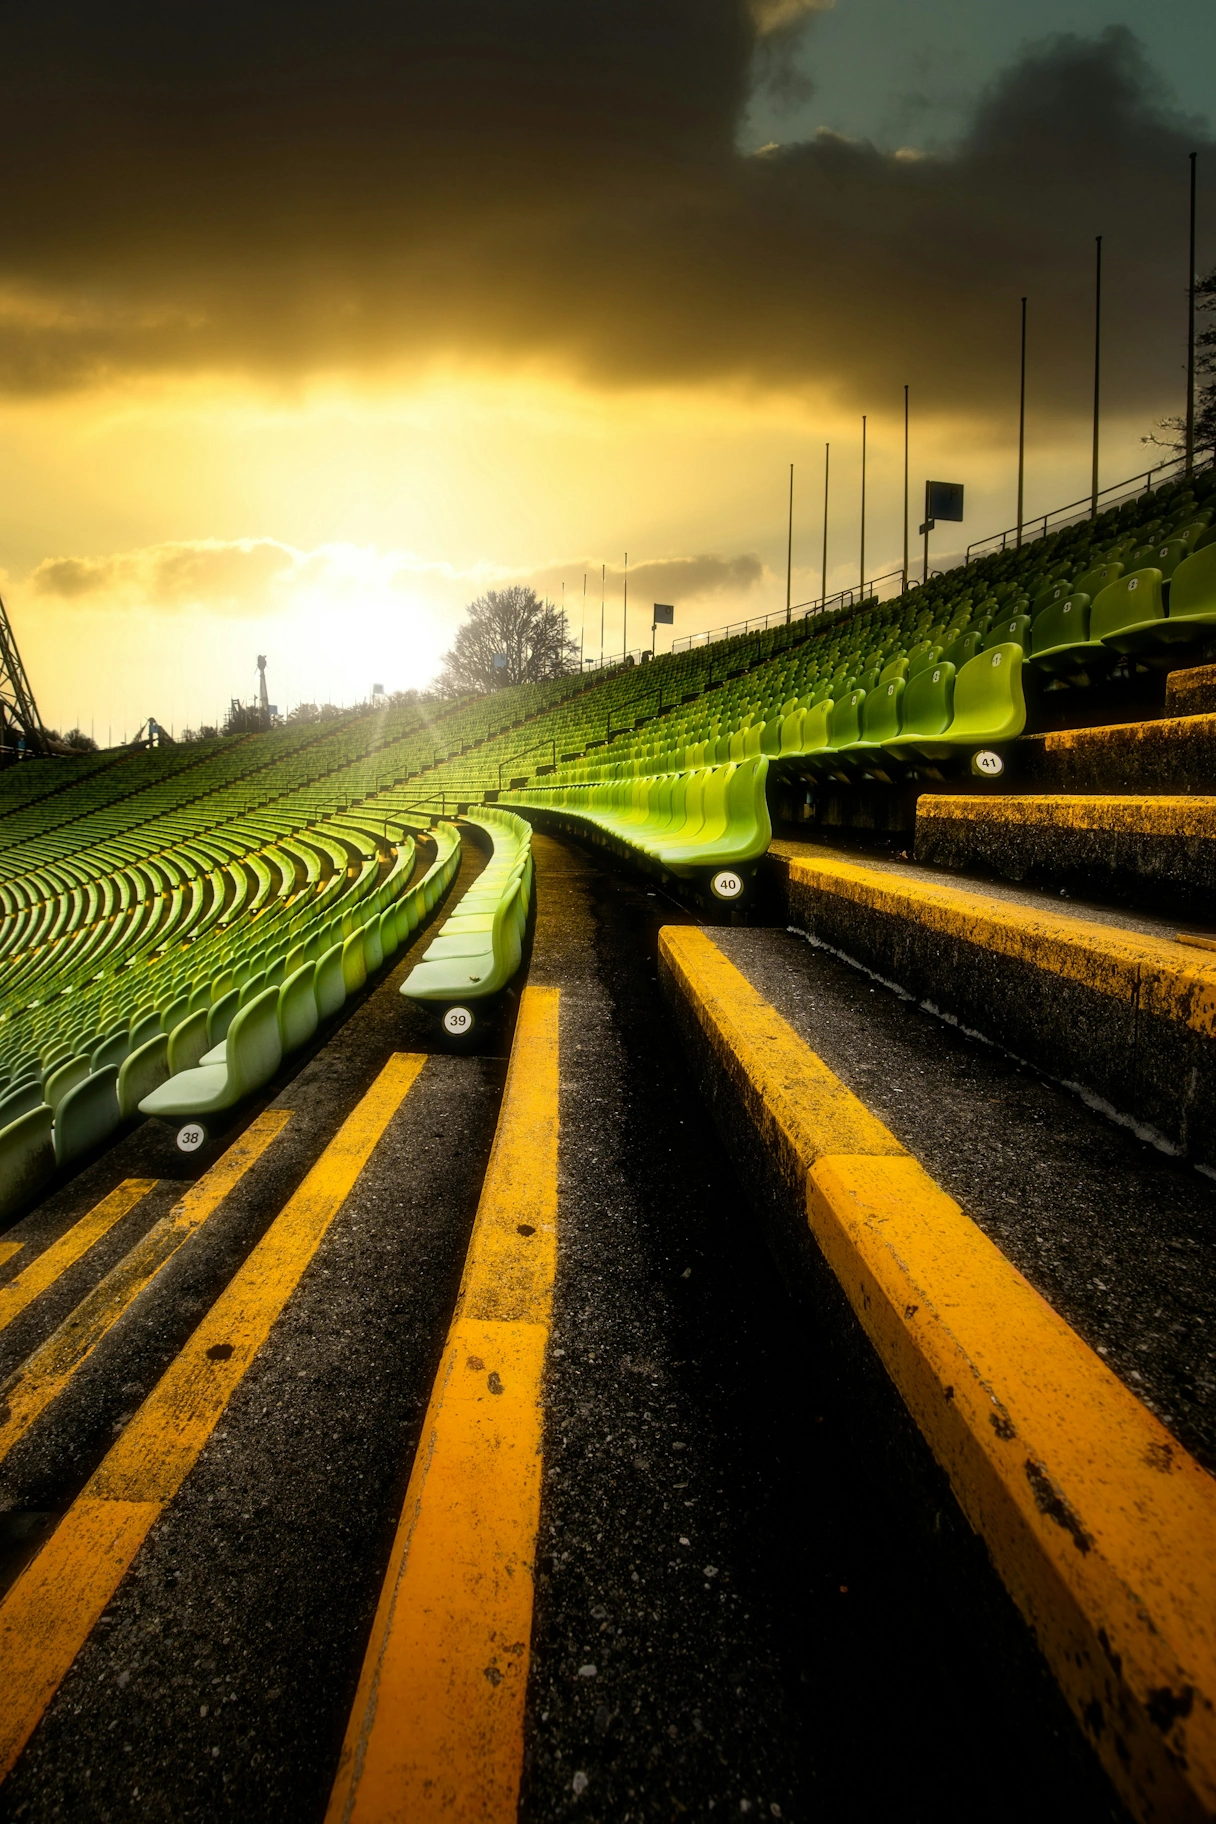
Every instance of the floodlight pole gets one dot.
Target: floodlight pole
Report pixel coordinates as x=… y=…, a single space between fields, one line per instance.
x=582 y=630
x=789 y=551
x=905 y=586
x=1022 y=429
x=926 y=575
x=862 y=559
x=625 y=615
x=1093 y=486
x=827 y=456
x=603 y=575
x=1190 y=335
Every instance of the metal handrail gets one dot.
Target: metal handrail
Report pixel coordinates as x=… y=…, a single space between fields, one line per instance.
x=1139 y=483
x=843 y=598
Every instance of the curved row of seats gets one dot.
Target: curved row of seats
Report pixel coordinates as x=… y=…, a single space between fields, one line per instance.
x=684 y=820
x=479 y=949
x=217 y=1041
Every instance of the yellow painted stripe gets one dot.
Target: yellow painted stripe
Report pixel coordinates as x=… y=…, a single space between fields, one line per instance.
x=1101 y=1525
x=28 y=1392
x=8 y=1249
x=1141 y=816
x=1148 y=972
x=437 y=1725
x=50 y=1611
x=71 y=1247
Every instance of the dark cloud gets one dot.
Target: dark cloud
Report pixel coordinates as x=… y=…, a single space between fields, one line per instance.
x=280 y=187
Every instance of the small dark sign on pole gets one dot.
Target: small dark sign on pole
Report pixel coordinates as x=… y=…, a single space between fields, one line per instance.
x=664 y=616
x=943 y=500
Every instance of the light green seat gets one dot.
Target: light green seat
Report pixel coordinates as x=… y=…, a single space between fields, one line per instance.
x=329 y=985
x=65 y=1076
x=373 y=950
x=142 y=1071
x=1010 y=628
x=27 y=1158
x=354 y=962
x=221 y=1014
x=145 y=1025
x=926 y=710
x=298 y=1017
x=389 y=941
x=743 y=832
x=87 y=1115
x=1129 y=614
x=468 y=968
x=1193 y=590
x=20 y=1099
x=188 y=1042
x=989 y=706
x=253 y=1052
x=1059 y=639
x=881 y=712
x=1092 y=582
x=110 y=1051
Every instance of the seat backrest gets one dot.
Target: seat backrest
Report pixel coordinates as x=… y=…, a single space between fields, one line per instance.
x=329 y=985
x=1016 y=627
x=880 y=715
x=87 y=1115
x=928 y=701
x=65 y=1076
x=844 y=723
x=1125 y=603
x=1099 y=578
x=255 y=1047
x=960 y=650
x=221 y=1014
x=988 y=700
x=20 y=1099
x=1168 y=555
x=188 y=1041
x=141 y=1072
x=1064 y=623
x=27 y=1157
x=922 y=658
x=1193 y=589
x=298 y=1017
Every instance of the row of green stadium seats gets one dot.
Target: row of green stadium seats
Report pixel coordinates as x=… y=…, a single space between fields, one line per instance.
x=206 y=1051
x=479 y=949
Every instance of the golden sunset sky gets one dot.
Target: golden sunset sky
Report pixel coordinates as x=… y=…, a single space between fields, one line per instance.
x=316 y=321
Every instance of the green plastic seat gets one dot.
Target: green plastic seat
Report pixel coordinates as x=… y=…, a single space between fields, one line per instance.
x=65 y=1076
x=1016 y=627
x=989 y=705
x=140 y=1072
x=960 y=651
x=187 y=1042
x=927 y=707
x=1059 y=640
x=373 y=950
x=881 y=713
x=221 y=1014
x=471 y=966
x=111 y=1050
x=298 y=1017
x=1168 y=555
x=354 y=961
x=1193 y=590
x=253 y=1053
x=20 y=1099
x=27 y=1158
x=1129 y=614
x=1092 y=582
x=329 y=983
x=87 y=1115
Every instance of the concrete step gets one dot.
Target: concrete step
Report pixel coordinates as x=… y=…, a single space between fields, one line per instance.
x=1110 y=1003
x=1176 y=754
x=1159 y=851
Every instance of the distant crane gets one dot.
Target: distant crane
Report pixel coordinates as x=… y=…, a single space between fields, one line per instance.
x=263 y=696
x=153 y=734
x=21 y=729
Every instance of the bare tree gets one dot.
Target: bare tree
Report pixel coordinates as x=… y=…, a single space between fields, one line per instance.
x=529 y=636
x=1170 y=433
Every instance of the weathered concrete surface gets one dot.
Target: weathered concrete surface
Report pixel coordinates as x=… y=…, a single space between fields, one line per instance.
x=1191 y=692
x=1156 y=851
x=1128 y=1015
x=1176 y=754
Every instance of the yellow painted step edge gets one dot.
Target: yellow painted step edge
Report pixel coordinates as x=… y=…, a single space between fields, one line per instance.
x=437 y=1727
x=1101 y=1526
x=1114 y=815
x=1126 y=965
x=49 y=1613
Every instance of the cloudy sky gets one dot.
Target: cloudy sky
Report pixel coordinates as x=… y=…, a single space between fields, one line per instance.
x=316 y=320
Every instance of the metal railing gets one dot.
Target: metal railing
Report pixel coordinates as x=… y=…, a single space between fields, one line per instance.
x=1077 y=510
x=876 y=589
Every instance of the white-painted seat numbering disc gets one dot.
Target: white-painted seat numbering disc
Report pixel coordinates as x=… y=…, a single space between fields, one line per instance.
x=457 y=1021
x=191 y=1137
x=727 y=884
x=988 y=763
